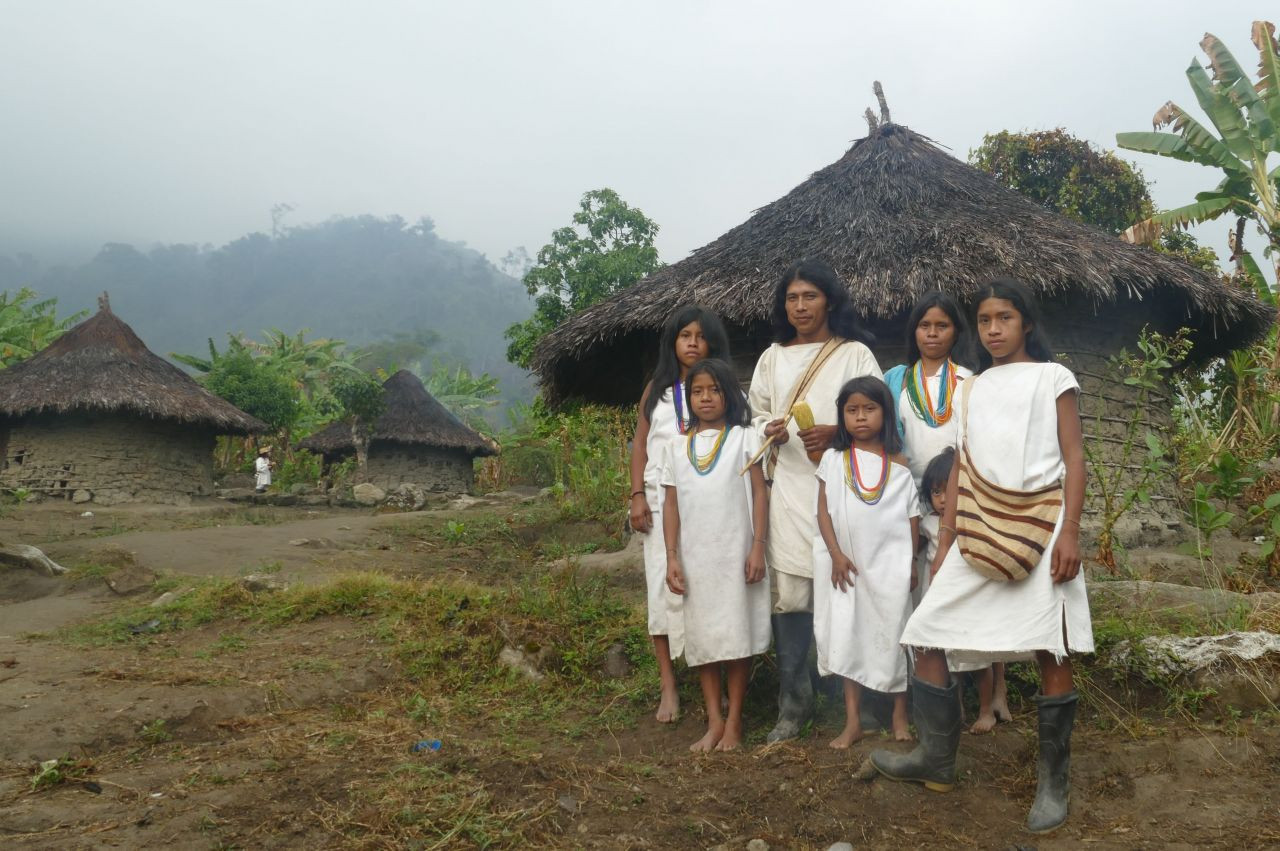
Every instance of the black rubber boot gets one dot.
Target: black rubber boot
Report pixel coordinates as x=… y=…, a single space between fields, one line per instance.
x=792 y=633
x=936 y=712
x=1057 y=716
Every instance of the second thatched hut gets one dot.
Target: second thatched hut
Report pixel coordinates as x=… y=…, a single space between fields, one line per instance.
x=416 y=441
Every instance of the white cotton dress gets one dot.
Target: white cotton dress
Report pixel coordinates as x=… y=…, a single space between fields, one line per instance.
x=662 y=428
x=921 y=442
x=722 y=617
x=1012 y=431
x=929 y=529
x=792 y=521
x=859 y=631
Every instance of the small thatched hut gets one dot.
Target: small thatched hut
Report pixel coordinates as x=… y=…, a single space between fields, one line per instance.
x=897 y=216
x=97 y=416
x=415 y=441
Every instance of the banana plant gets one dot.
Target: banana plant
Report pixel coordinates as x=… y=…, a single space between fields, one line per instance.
x=1245 y=117
x=26 y=327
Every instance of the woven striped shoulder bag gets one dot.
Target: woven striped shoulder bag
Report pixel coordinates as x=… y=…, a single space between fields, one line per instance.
x=1002 y=533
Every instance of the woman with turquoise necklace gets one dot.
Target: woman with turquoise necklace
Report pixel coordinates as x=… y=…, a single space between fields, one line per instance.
x=924 y=389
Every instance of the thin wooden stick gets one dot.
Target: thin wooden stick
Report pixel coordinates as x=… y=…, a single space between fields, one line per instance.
x=786 y=421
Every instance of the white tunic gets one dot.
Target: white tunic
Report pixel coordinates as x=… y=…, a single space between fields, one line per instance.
x=859 y=631
x=662 y=428
x=922 y=442
x=1013 y=440
x=261 y=472
x=929 y=529
x=723 y=617
x=792 y=521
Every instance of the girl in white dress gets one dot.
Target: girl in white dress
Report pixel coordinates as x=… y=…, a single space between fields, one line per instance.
x=868 y=517
x=691 y=334
x=989 y=678
x=1022 y=432
x=714 y=521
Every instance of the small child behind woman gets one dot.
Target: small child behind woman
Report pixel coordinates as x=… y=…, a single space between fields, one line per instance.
x=868 y=517
x=714 y=521
x=993 y=703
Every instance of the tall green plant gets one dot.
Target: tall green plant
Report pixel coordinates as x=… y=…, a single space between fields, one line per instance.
x=1245 y=116
x=28 y=326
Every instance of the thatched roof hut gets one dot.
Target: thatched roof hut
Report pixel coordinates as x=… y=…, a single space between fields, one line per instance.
x=96 y=415
x=101 y=366
x=895 y=216
x=416 y=440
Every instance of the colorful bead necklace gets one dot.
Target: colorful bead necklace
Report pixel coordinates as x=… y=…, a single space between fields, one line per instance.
x=677 y=399
x=704 y=464
x=918 y=393
x=853 y=477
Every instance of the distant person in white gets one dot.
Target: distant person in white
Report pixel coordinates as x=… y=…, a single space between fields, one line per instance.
x=262 y=470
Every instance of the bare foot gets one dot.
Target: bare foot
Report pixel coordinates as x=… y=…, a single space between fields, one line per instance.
x=851 y=733
x=669 y=708
x=1000 y=709
x=715 y=732
x=732 y=738
x=901 y=727
x=985 y=723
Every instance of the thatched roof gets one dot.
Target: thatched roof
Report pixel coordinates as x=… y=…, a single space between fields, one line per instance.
x=896 y=216
x=412 y=416
x=101 y=366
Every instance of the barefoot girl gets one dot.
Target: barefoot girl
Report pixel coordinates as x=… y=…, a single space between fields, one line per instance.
x=868 y=515
x=1021 y=458
x=714 y=522
x=816 y=352
x=992 y=700
x=690 y=335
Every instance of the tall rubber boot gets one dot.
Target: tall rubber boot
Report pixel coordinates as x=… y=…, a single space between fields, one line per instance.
x=936 y=712
x=1053 y=792
x=792 y=633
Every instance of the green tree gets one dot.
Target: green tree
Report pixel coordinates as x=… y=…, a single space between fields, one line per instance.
x=607 y=248
x=26 y=327
x=361 y=400
x=467 y=396
x=256 y=387
x=1067 y=175
x=1246 y=118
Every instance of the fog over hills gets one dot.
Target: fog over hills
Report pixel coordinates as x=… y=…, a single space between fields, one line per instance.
x=360 y=279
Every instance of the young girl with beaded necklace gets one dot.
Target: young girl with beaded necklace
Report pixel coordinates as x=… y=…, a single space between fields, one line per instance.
x=691 y=334
x=714 y=521
x=1020 y=437
x=868 y=517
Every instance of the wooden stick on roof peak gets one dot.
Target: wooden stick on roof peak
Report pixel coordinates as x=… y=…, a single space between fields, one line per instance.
x=104 y=302
x=884 y=104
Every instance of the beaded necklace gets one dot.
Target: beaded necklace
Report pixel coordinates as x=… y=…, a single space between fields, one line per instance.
x=704 y=464
x=918 y=393
x=853 y=477
x=677 y=399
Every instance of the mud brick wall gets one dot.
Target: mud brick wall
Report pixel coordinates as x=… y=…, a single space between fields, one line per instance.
x=113 y=458
x=438 y=470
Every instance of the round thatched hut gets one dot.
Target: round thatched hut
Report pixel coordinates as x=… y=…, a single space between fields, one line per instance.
x=897 y=216
x=97 y=416
x=415 y=441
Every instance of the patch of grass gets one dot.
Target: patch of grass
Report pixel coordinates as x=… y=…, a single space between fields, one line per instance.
x=54 y=772
x=86 y=571
x=156 y=732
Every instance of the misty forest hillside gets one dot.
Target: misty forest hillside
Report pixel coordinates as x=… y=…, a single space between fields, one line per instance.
x=360 y=279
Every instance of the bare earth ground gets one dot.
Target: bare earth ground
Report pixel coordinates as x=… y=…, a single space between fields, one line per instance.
x=248 y=735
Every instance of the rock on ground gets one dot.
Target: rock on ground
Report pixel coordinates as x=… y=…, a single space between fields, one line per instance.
x=368 y=494
x=130 y=579
x=1242 y=669
x=257 y=582
x=22 y=555
x=520 y=661
x=1173 y=605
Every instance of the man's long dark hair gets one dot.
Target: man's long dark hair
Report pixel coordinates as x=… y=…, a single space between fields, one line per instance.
x=840 y=316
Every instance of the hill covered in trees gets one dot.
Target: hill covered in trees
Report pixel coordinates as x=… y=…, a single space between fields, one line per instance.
x=362 y=279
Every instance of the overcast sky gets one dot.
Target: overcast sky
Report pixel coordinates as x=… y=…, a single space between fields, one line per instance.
x=168 y=121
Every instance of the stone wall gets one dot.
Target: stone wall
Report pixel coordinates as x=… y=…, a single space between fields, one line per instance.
x=436 y=470
x=110 y=459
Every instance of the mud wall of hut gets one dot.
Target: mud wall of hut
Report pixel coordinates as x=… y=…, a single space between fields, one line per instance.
x=438 y=470
x=108 y=459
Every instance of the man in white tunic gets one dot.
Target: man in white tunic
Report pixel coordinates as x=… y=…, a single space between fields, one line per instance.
x=811 y=307
x=262 y=470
